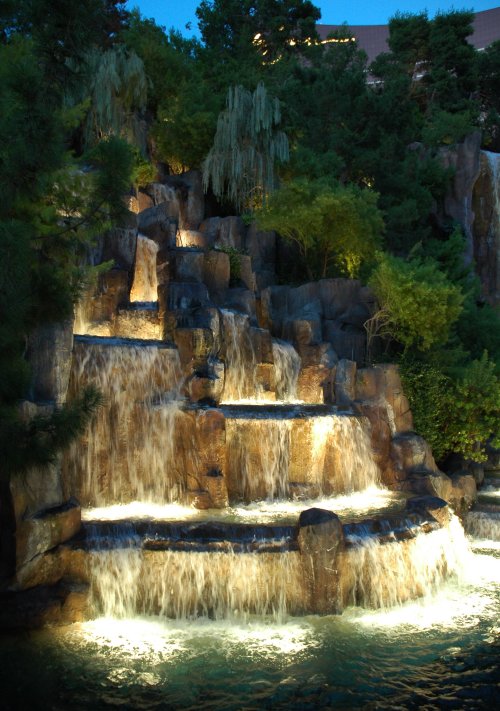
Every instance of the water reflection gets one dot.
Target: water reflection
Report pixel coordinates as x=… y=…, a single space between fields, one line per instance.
x=444 y=648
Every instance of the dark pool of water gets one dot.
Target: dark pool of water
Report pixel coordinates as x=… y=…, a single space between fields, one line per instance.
x=441 y=653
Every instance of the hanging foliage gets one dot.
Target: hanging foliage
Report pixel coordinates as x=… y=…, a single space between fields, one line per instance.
x=240 y=166
x=117 y=86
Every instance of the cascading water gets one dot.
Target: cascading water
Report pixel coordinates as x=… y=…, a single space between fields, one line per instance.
x=128 y=452
x=483 y=525
x=184 y=585
x=268 y=455
x=240 y=362
x=145 y=284
x=244 y=567
x=385 y=574
x=287 y=364
x=114 y=575
x=258 y=456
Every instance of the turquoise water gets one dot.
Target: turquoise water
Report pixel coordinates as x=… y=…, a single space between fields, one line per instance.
x=441 y=652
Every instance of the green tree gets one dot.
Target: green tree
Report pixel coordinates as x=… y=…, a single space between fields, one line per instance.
x=333 y=226
x=50 y=211
x=417 y=303
x=489 y=93
x=247 y=145
x=115 y=87
x=456 y=415
x=270 y=27
x=327 y=112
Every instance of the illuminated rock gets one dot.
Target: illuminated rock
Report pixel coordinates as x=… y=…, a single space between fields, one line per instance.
x=320 y=538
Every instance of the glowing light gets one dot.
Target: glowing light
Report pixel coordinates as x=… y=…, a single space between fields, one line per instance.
x=136 y=636
x=456 y=603
x=337 y=40
x=145 y=284
x=139 y=510
x=361 y=502
x=159 y=639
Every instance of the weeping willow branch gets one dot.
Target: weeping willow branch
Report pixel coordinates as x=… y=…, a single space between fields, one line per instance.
x=240 y=165
x=117 y=86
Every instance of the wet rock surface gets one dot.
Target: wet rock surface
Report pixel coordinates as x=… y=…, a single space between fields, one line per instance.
x=207 y=332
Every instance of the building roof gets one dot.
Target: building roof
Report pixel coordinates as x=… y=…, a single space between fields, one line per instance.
x=373 y=38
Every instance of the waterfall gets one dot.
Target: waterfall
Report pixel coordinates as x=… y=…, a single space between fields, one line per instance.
x=349 y=460
x=258 y=456
x=114 y=575
x=240 y=360
x=381 y=574
x=128 y=452
x=323 y=454
x=483 y=525
x=287 y=364
x=145 y=283
x=130 y=581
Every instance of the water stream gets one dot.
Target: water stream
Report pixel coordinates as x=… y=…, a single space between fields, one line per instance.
x=128 y=452
x=438 y=652
x=211 y=609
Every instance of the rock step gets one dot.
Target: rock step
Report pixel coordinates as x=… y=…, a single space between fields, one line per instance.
x=114 y=342
x=181 y=536
x=233 y=537
x=267 y=411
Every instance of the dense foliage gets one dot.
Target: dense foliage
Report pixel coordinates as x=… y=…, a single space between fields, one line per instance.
x=336 y=228
x=247 y=146
x=417 y=303
x=54 y=202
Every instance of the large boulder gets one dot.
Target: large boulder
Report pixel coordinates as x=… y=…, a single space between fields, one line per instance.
x=49 y=354
x=347 y=342
x=345 y=383
x=410 y=454
x=321 y=538
x=45 y=530
x=463 y=160
x=166 y=195
x=207 y=384
x=119 y=244
x=383 y=383
x=485 y=227
x=189 y=190
x=261 y=247
x=216 y=274
x=157 y=224
x=224 y=232
x=317 y=374
x=187 y=295
x=189 y=266
x=95 y=311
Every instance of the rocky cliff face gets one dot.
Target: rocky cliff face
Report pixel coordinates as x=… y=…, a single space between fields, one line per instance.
x=188 y=321
x=486 y=225
x=473 y=200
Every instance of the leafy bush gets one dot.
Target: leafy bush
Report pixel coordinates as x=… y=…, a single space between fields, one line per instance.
x=334 y=226
x=455 y=415
x=418 y=304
